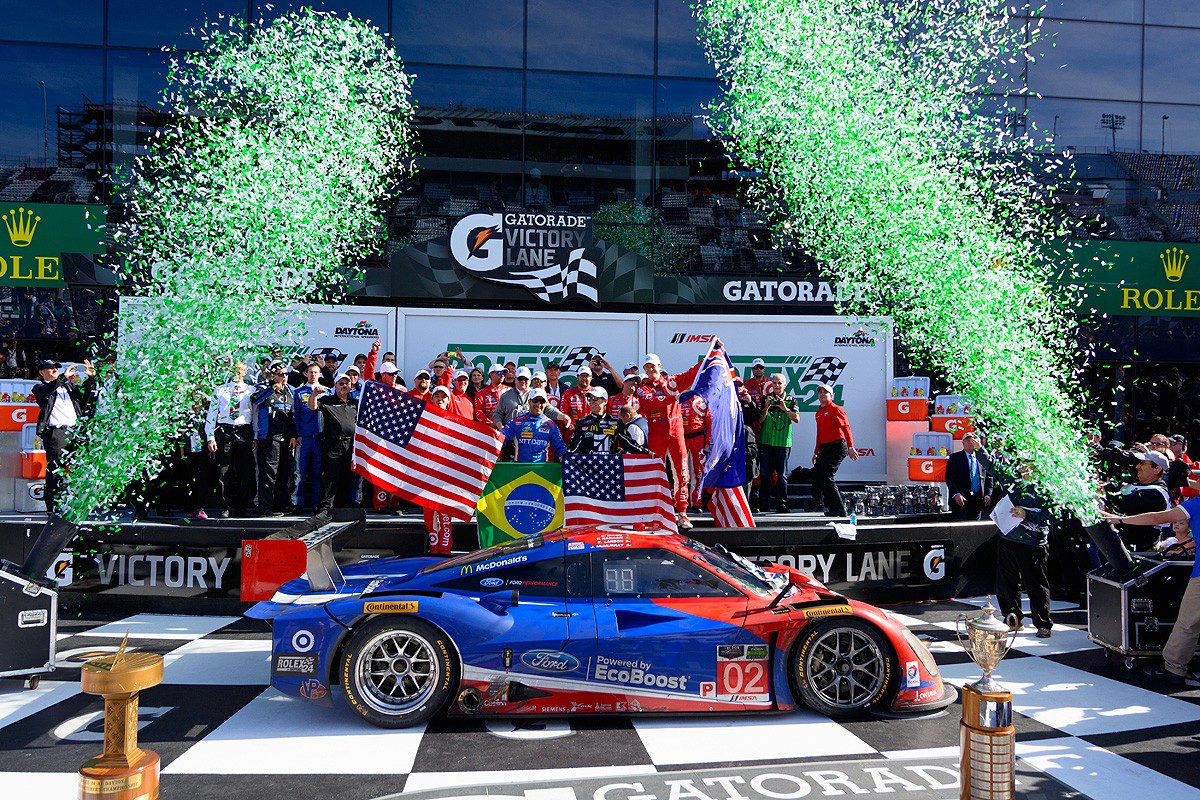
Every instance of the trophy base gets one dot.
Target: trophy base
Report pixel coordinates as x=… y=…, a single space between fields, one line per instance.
x=111 y=778
x=987 y=745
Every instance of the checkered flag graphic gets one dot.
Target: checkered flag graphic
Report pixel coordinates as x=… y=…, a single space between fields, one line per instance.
x=826 y=369
x=578 y=357
x=554 y=284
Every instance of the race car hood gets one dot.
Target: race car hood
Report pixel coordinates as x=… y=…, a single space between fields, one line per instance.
x=376 y=576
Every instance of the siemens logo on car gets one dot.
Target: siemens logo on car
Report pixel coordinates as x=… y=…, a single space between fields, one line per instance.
x=637 y=673
x=550 y=661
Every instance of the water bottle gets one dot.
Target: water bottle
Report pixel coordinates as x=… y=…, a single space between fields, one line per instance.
x=854 y=519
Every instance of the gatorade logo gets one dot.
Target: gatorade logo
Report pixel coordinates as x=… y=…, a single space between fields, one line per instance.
x=935 y=563
x=20 y=414
x=904 y=407
x=927 y=467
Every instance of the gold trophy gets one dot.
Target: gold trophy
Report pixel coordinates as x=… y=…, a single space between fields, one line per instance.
x=123 y=771
x=987 y=739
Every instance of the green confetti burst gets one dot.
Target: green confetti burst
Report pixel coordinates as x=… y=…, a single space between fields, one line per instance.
x=862 y=116
x=287 y=137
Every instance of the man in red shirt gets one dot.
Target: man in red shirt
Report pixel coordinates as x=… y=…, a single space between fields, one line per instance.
x=757 y=381
x=658 y=397
x=460 y=402
x=488 y=397
x=574 y=401
x=628 y=390
x=420 y=389
x=834 y=443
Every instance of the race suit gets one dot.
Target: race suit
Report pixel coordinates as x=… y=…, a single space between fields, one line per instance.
x=659 y=402
x=616 y=401
x=694 y=412
x=596 y=434
x=535 y=436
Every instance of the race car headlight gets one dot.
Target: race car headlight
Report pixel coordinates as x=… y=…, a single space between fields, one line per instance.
x=923 y=654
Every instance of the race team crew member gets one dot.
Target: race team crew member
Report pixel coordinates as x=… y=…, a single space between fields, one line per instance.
x=421 y=386
x=756 y=384
x=534 y=433
x=308 y=457
x=694 y=412
x=658 y=398
x=628 y=391
x=438 y=526
x=276 y=442
x=597 y=432
x=487 y=398
x=337 y=412
x=574 y=401
x=834 y=443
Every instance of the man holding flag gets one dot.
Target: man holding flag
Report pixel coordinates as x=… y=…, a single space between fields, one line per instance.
x=658 y=397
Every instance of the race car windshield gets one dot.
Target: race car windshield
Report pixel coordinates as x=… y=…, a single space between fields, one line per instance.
x=744 y=574
x=487 y=554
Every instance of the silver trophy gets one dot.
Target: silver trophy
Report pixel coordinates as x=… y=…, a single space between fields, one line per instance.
x=988 y=640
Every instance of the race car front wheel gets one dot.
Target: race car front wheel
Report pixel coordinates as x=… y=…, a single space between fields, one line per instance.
x=842 y=667
x=398 y=672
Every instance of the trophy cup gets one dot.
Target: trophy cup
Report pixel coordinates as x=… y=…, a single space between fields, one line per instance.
x=987 y=739
x=124 y=771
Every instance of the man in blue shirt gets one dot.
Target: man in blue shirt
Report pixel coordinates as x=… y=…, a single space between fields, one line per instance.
x=535 y=433
x=1181 y=644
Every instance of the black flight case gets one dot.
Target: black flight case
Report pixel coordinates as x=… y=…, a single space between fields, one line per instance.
x=1132 y=616
x=28 y=625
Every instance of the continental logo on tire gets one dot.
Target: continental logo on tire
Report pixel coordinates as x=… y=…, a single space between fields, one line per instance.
x=393 y=607
x=825 y=611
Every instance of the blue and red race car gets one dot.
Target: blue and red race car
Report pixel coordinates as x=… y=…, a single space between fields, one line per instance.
x=597 y=620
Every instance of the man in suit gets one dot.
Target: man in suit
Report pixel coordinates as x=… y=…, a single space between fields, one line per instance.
x=60 y=405
x=968 y=481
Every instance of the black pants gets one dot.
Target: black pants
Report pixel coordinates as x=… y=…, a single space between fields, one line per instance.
x=337 y=481
x=57 y=442
x=235 y=466
x=773 y=471
x=1022 y=565
x=276 y=466
x=972 y=509
x=824 y=489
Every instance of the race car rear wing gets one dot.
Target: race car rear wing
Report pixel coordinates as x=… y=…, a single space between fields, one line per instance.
x=302 y=550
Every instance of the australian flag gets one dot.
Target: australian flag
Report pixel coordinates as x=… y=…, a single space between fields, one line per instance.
x=725 y=466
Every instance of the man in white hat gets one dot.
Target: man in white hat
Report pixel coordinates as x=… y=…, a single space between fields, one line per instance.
x=658 y=398
x=757 y=382
x=487 y=398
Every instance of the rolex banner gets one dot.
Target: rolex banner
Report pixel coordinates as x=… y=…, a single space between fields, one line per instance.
x=37 y=236
x=1132 y=278
x=520 y=500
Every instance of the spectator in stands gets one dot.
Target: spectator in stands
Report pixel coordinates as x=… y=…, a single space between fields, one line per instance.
x=834 y=443
x=421 y=383
x=533 y=433
x=229 y=430
x=968 y=483
x=60 y=405
x=276 y=441
x=536 y=196
x=780 y=412
x=308 y=479
x=337 y=414
x=574 y=401
x=476 y=380
x=64 y=315
x=487 y=398
x=1022 y=554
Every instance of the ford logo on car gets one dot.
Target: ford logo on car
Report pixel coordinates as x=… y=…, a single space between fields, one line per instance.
x=491 y=582
x=550 y=661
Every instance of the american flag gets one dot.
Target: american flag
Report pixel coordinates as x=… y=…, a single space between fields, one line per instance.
x=730 y=509
x=609 y=488
x=431 y=457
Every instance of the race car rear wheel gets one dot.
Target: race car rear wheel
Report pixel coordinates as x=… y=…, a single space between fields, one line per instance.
x=398 y=672
x=842 y=667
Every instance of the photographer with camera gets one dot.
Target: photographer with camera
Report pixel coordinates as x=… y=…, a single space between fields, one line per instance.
x=780 y=412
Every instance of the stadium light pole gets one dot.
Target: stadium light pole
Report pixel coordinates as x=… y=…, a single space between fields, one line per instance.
x=45 y=126
x=1162 y=148
x=1054 y=132
x=1114 y=122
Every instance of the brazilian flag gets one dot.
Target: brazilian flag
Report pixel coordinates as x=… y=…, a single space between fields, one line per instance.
x=520 y=500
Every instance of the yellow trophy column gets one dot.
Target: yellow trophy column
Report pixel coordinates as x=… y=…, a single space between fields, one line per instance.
x=123 y=771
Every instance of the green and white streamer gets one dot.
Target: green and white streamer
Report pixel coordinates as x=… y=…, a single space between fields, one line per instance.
x=864 y=119
x=269 y=183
